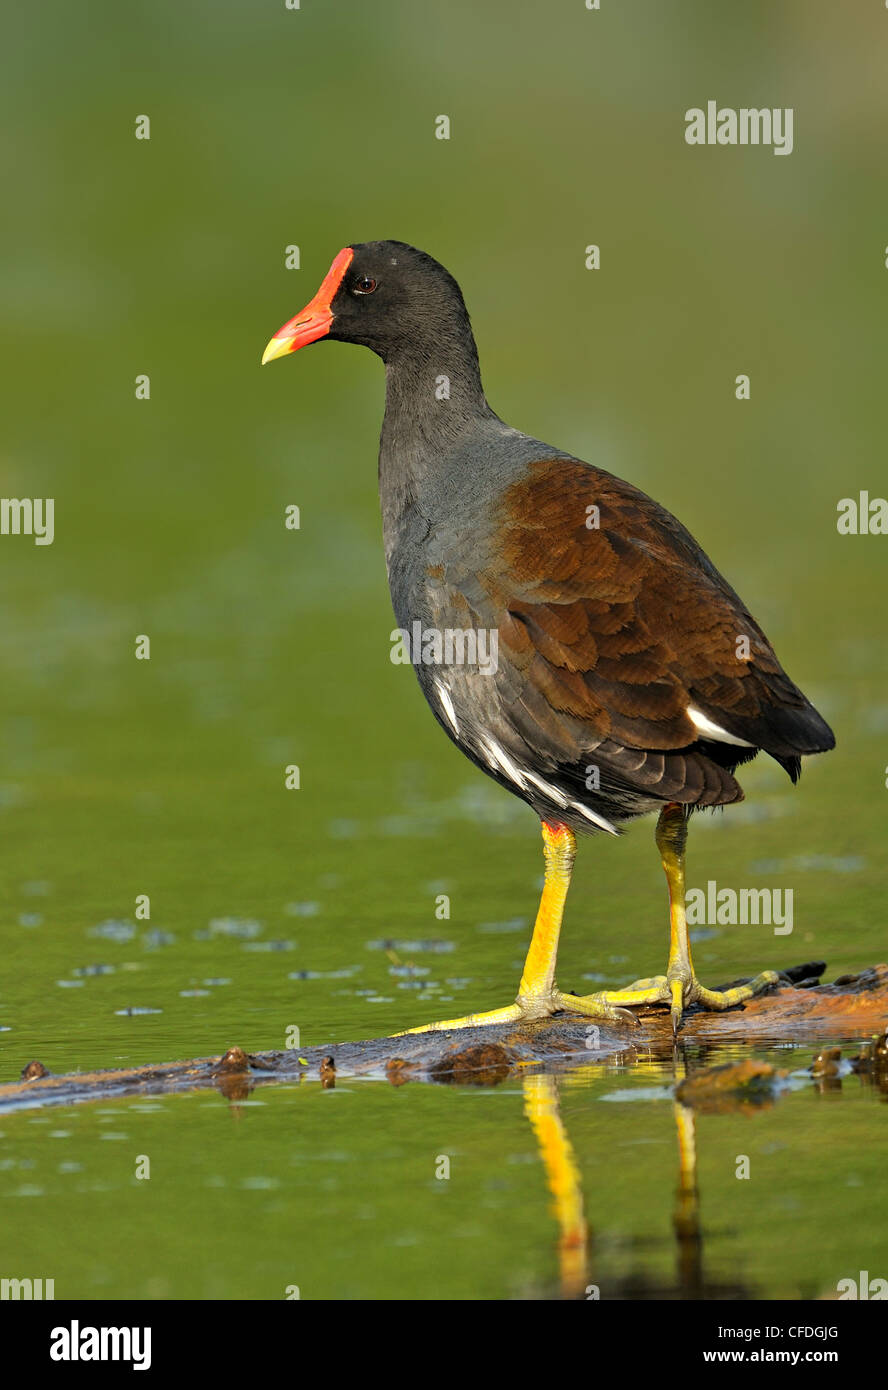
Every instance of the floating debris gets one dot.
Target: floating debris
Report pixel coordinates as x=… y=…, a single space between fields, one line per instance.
x=235 y=1059
x=328 y=1073
x=34 y=1071
x=486 y=1064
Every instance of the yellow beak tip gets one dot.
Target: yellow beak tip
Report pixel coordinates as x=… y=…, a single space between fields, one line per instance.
x=276 y=348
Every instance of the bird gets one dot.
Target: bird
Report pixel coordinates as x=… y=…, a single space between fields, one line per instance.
x=621 y=673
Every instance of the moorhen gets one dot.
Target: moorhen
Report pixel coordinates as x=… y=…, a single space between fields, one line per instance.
x=621 y=673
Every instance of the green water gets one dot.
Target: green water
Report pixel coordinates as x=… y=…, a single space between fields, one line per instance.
x=269 y=647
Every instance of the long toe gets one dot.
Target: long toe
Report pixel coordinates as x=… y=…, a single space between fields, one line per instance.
x=719 y=999
x=596 y=1006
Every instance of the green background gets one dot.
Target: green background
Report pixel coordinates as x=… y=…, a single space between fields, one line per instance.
x=165 y=777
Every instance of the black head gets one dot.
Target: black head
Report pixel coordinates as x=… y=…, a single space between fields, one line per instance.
x=385 y=295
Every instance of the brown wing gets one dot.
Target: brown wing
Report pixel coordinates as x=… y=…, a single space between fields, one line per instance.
x=614 y=629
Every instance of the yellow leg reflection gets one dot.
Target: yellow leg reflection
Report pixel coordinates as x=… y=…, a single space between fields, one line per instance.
x=563 y=1177
x=686 y=1218
x=541 y=1106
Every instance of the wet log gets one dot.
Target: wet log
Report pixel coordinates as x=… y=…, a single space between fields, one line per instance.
x=799 y=1009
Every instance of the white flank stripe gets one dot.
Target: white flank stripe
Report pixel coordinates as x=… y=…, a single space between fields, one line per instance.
x=561 y=800
x=551 y=792
x=498 y=758
x=715 y=731
x=447 y=703
x=595 y=819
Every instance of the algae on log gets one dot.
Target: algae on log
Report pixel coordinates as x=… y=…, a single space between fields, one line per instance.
x=800 y=1010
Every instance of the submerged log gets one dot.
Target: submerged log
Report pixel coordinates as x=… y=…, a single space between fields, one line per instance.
x=800 y=1010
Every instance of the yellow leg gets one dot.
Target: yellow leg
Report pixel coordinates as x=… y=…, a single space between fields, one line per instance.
x=679 y=987
x=537 y=994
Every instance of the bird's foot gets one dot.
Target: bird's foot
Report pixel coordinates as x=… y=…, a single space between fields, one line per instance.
x=679 y=989
x=530 y=1007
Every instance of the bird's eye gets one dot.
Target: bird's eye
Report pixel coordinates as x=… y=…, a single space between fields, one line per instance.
x=365 y=285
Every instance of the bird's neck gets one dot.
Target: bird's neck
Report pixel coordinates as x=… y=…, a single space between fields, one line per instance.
x=433 y=399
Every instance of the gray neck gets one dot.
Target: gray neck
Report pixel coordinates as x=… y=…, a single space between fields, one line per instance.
x=432 y=398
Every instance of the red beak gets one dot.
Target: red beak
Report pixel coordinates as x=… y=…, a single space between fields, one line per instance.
x=315 y=319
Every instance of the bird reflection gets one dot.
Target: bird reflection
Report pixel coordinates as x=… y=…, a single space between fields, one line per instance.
x=578 y=1277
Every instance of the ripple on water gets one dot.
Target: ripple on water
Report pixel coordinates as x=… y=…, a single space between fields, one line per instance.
x=411 y=947
x=640 y=1093
x=242 y=928
x=113 y=930
x=509 y=925
x=344 y=974
x=156 y=938
x=803 y=863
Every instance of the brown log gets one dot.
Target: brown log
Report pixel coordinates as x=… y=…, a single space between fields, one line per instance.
x=799 y=1010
